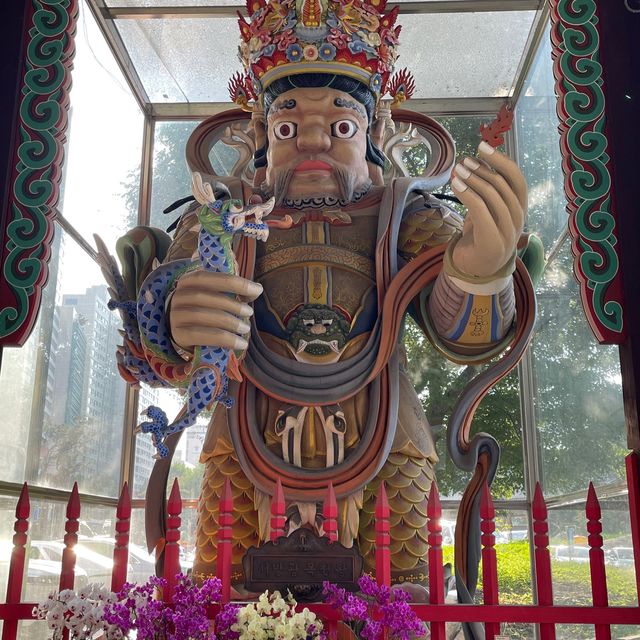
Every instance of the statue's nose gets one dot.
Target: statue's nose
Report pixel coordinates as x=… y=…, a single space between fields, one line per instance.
x=318 y=329
x=313 y=139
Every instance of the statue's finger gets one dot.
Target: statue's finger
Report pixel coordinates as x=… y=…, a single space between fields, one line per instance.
x=208 y=281
x=492 y=199
x=502 y=187
x=189 y=337
x=183 y=316
x=208 y=300
x=483 y=225
x=507 y=168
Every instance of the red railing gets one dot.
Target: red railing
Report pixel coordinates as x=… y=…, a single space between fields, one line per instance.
x=491 y=614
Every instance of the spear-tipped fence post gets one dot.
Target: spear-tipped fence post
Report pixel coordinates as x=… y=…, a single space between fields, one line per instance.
x=544 y=586
x=18 y=555
x=225 y=536
x=121 y=548
x=436 y=573
x=277 y=513
x=632 y=462
x=72 y=524
x=489 y=562
x=596 y=560
x=383 y=539
x=172 y=547
x=330 y=513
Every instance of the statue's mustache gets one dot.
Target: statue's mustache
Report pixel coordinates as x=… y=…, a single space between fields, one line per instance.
x=281 y=180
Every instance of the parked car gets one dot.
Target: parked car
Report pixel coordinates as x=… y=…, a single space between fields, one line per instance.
x=141 y=564
x=97 y=567
x=42 y=575
x=511 y=535
x=571 y=554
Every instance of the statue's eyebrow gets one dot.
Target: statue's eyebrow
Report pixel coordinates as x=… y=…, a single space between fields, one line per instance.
x=351 y=104
x=283 y=104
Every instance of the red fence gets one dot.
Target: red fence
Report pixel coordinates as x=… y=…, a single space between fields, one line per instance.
x=491 y=613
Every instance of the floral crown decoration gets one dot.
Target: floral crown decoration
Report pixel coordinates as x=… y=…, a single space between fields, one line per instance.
x=343 y=37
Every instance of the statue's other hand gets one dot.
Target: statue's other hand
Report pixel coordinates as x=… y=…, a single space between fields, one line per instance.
x=494 y=191
x=210 y=309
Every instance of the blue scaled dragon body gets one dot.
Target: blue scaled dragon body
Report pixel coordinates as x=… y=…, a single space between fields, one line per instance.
x=206 y=378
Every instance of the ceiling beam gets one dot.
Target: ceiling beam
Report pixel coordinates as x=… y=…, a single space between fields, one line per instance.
x=112 y=36
x=428 y=6
x=430 y=106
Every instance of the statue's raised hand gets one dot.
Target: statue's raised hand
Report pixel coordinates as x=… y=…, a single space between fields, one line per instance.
x=494 y=191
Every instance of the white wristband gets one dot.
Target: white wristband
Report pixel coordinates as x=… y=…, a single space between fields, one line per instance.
x=481 y=289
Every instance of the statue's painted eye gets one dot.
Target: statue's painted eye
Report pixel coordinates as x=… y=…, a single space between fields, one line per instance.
x=285 y=130
x=344 y=129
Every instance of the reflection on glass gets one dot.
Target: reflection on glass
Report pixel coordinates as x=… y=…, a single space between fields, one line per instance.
x=570 y=555
x=187 y=535
x=61 y=392
x=483 y=67
x=536 y=127
x=440 y=382
x=185 y=465
x=578 y=398
x=102 y=162
x=171 y=179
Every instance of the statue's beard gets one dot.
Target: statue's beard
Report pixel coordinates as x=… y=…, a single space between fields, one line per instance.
x=279 y=189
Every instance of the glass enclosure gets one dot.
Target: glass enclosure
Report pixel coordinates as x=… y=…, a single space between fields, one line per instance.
x=68 y=415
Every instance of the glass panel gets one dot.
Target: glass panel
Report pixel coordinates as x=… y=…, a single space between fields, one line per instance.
x=536 y=126
x=102 y=164
x=185 y=464
x=171 y=72
x=570 y=554
x=578 y=397
x=187 y=535
x=189 y=3
x=176 y=3
x=94 y=555
x=61 y=392
x=171 y=179
x=439 y=382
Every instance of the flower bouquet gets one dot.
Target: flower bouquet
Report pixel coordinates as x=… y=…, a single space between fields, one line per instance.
x=135 y=611
x=81 y=613
x=381 y=613
x=270 y=618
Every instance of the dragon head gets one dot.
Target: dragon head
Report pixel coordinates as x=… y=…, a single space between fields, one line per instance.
x=227 y=217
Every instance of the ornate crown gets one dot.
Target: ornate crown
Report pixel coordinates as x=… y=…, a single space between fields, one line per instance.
x=345 y=37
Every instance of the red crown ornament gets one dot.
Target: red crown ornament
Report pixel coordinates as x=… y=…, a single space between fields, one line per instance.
x=289 y=37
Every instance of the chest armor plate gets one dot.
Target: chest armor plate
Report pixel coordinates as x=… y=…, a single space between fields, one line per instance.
x=326 y=258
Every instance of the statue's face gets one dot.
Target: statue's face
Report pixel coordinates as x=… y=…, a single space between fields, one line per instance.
x=317 y=144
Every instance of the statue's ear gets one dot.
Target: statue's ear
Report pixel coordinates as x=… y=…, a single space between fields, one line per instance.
x=260 y=134
x=381 y=127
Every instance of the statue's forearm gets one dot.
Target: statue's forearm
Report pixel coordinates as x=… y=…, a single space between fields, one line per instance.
x=470 y=322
